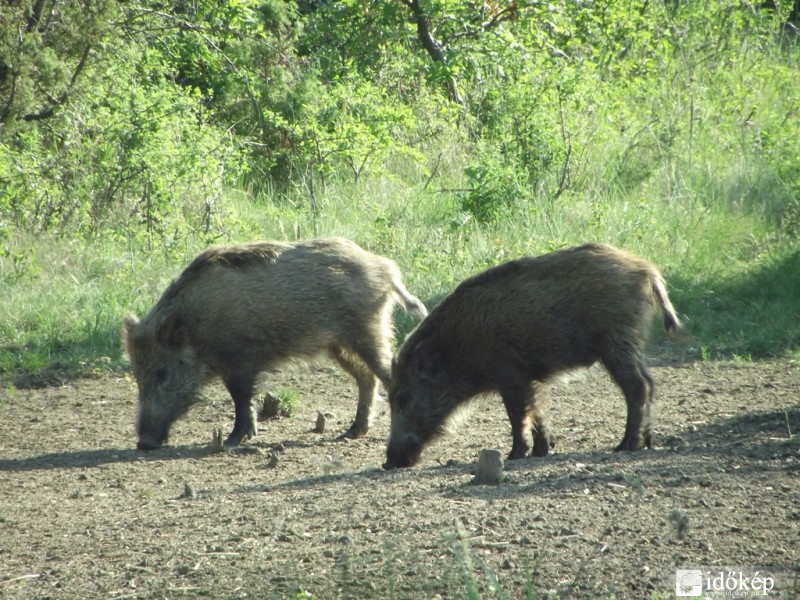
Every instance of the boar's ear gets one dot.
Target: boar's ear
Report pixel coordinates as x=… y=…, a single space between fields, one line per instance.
x=426 y=364
x=427 y=370
x=172 y=333
x=128 y=325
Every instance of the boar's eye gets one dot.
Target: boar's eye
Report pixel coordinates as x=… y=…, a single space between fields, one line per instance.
x=399 y=398
x=160 y=374
x=426 y=369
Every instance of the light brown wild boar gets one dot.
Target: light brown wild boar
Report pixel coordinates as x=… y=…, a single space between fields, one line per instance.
x=516 y=326
x=236 y=311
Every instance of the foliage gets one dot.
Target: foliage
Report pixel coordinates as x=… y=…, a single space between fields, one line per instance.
x=133 y=134
x=298 y=93
x=352 y=130
x=282 y=403
x=127 y=151
x=492 y=191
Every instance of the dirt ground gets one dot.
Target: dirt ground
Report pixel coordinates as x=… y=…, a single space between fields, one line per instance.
x=296 y=514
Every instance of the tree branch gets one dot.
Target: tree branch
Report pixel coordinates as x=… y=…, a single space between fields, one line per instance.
x=794 y=15
x=431 y=46
x=50 y=110
x=508 y=13
x=35 y=16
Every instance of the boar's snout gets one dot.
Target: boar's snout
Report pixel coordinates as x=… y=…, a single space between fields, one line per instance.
x=150 y=437
x=404 y=453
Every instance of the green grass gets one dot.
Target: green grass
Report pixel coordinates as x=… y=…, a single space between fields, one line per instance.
x=62 y=313
x=733 y=279
x=694 y=169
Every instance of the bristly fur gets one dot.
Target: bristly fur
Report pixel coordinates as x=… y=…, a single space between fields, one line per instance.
x=258 y=253
x=516 y=328
x=239 y=310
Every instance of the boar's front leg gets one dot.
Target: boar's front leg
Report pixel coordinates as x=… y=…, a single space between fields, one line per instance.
x=367 y=390
x=518 y=400
x=240 y=386
x=524 y=407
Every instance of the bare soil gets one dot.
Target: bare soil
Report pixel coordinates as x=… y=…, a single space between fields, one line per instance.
x=296 y=514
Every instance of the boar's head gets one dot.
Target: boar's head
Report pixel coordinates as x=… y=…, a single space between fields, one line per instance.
x=167 y=372
x=423 y=393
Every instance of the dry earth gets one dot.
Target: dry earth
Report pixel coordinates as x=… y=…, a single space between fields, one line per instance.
x=85 y=515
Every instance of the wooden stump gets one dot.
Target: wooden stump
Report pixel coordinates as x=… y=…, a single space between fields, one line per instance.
x=490 y=467
x=216 y=440
x=270 y=407
x=320 y=426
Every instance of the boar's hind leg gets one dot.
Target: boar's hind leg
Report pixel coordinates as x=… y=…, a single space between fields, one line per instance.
x=523 y=406
x=629 y=372
x=648 y=407
x=367 y=390
x=240 y=386
x=543 y=438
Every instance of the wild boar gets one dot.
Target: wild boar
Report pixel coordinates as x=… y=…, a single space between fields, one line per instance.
x=517 y=326
x=236 y=311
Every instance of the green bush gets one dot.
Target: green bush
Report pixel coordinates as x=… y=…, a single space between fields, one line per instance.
x=134 y=134
x=491 y=192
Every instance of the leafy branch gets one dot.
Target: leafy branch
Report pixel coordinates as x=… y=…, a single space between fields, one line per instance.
x=432 y=47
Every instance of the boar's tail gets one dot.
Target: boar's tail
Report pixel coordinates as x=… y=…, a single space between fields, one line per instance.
x=411 y=304
x=672 y=324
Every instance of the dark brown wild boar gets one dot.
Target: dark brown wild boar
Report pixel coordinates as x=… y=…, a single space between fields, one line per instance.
x=516 y=326
x=235 y=311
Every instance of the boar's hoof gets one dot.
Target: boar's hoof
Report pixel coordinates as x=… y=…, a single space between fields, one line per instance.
x=649 y=437
x=629 y=444
x=353 y=432
x=543 y=441
x=241 y=432
x=518 y=452
x=148 y=444
x=235 y=438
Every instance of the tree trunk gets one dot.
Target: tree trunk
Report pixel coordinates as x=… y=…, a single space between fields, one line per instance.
x=794 y=15
x=432 y=47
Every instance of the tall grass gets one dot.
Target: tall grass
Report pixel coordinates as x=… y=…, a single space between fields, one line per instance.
x=695 y=168
x=63 y=309
x=733 y=279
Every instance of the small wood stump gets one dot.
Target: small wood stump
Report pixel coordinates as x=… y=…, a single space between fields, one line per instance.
x=188 y=491
x=216 y=440
x=490 y=467
x=270 y=407
x=320 y=426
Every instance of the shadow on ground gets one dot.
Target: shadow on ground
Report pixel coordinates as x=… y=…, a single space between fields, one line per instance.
x=757 y=442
